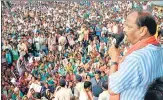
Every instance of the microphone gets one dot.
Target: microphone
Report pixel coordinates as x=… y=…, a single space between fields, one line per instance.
x=119 y=39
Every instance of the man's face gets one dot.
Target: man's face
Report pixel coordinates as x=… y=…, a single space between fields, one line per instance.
x=88 y=89
x=97 y=76
x=32 y=91
x=17 y=92
x=131 y=29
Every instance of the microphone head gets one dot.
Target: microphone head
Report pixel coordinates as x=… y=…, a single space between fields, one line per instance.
x=119 y=39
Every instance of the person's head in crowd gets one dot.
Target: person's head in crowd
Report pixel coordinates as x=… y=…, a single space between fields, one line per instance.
x=70 y=84
x=16 y=90
x=97 y=74
x=102 y=73
x=114 y=23
x=46 y=84
x=62 y=83
x=155 y=90
x=71 y=72
x=25 y=97
x=102 y=34
x=48 y=70
x=81 y=70
x=78 y=78
x=88 y=77
x=26 y=73
x=12 y=86
x=32 y=91
x=33 y=79
x=87 y=86
x=47 y=92
x=139 y=25
x=39 y=77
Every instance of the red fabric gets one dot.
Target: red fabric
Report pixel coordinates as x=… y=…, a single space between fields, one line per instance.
x=143 y=43
x=68 y=77
x=3 y=97
x=12 y=68
x=137 y=46
x=72 y=77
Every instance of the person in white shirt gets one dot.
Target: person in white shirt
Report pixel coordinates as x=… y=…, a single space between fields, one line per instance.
x=6 y=45
x=105 y=94
x=37 y=41
x=115 y=28
x=86 y=93
x=90 y=47
x=79 y=86
x=63 y=93
x=20 y=65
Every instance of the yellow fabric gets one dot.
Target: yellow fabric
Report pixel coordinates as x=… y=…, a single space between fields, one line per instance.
x=69 y=68
x=156 y=35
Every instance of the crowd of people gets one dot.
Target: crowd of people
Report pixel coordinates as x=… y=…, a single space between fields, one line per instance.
x=59 y=50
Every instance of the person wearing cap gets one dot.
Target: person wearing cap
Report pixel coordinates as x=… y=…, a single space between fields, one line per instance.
x=79 y=86
x=63 y=93
x=97 y=84
x=105 y=94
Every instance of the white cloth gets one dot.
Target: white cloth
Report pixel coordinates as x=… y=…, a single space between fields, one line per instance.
x=64 y=62
x=20 y=67
x=90 y=48
x=83 y=95
x=63 y=94
x=62 y=40
x=104 y=95
x=6 y=47
x=60 y=48
x=71 y=41
x=37 y=40
x=36 y=87
x=30 y=60
x=78 y=88
x=115 y=29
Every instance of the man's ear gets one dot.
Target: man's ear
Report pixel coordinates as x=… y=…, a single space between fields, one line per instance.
x=143 y=31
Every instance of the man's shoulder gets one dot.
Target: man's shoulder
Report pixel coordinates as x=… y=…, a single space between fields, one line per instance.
x=62 y=90
x=149 y=49
x=82 y=93
x=80 y=83
x=104 y=94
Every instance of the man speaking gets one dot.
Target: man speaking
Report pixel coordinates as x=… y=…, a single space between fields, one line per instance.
x=143 y=62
